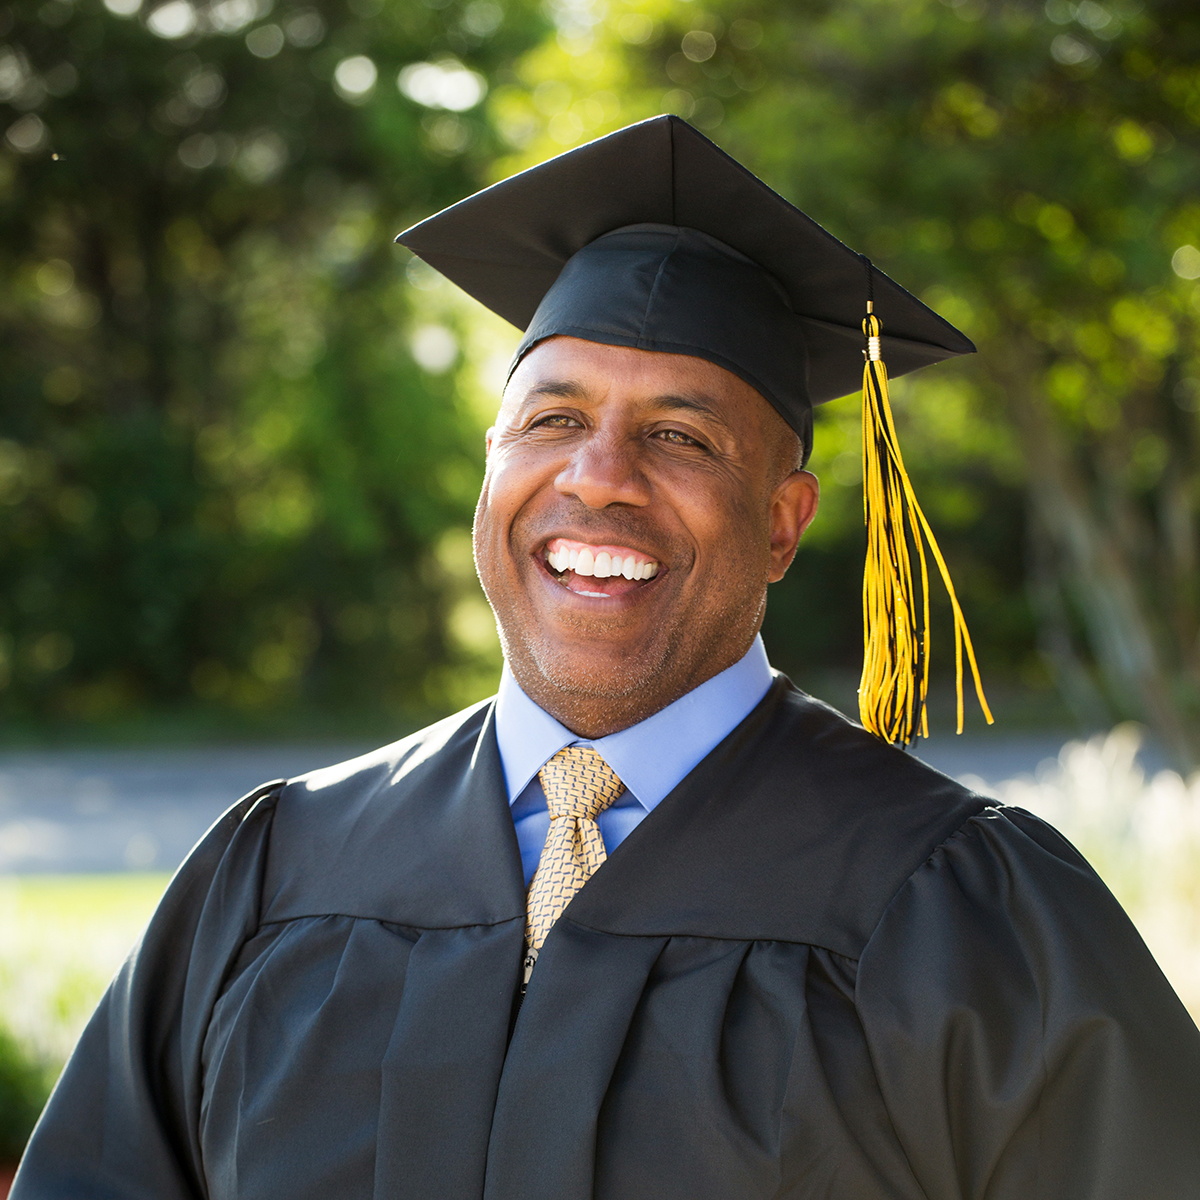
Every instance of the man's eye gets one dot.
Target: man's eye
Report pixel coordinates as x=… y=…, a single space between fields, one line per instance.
x=678 y=438
x=557 y=421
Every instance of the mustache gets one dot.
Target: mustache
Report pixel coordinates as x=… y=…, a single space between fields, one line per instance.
x=620 y=526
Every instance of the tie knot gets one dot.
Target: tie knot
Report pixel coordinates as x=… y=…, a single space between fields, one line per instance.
x=579 y=783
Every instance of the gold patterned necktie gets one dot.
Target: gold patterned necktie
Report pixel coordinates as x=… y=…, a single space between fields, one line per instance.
x=579 y=786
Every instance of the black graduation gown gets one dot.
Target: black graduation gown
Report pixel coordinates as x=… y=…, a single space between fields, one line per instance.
x=819 y=969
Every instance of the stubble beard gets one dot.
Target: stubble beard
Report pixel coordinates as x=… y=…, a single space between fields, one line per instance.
x=598 y=703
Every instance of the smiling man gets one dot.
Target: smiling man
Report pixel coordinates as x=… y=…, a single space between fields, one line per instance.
x=652 y=924
x=635 y=507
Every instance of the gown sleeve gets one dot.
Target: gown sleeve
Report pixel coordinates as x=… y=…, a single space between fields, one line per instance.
x=122 y=1122
x=1026 y=1043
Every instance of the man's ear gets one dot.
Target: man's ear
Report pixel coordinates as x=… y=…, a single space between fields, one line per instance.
x=793 y=506
x=488 y=438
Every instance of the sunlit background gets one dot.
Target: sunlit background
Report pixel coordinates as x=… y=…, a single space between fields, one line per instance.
x=241 y=431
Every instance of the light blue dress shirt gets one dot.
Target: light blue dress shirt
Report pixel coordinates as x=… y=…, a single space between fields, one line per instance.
x=650 y=757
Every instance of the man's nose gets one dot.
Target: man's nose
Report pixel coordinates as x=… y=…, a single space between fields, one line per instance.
x=602 y=471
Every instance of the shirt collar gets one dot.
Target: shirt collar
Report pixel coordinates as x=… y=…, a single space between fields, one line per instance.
x=650 y=757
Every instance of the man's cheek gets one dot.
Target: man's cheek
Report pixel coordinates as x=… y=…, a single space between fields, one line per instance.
x=503 y=487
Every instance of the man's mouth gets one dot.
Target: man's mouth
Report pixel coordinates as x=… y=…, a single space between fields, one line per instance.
x=601 y=571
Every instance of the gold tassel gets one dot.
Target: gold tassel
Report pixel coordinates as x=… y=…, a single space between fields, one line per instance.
x=895 y=676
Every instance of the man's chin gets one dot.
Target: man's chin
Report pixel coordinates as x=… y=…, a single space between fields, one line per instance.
x=591 y=670
x=598 y=676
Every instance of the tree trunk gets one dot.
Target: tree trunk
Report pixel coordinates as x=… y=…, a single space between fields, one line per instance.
x=1142 y=677
x=1056 y=644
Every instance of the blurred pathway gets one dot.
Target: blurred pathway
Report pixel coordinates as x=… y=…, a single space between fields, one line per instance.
x=94 y=810
x=77 y=811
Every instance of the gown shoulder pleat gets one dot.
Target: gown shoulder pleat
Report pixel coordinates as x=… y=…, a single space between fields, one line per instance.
x=1024 y=1039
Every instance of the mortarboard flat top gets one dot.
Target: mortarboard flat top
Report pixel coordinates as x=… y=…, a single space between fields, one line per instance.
x=507 y=246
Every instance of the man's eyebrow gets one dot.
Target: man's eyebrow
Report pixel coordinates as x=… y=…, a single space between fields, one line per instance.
x=696 y=404
x=570 y=389
x=564 y=389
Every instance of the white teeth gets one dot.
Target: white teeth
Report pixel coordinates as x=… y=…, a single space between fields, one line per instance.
x=600 y=564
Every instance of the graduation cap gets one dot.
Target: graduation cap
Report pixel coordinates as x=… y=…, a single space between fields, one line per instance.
x=654 y=238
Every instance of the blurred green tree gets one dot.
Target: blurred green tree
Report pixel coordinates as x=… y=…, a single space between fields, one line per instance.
x=1032 y=171
x=234 y=464
x=24 y=1086
x=238 y=441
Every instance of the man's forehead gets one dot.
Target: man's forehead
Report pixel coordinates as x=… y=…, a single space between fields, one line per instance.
x=589 y=372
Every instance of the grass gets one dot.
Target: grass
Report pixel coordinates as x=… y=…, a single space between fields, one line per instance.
x=61 y=940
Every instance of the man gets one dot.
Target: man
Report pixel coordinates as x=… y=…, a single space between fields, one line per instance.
x=762 y=953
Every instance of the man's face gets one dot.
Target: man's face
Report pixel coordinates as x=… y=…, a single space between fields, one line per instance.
x=670 y=464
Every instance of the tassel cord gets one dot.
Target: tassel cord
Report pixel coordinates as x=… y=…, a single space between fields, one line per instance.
x=895 y=679
x=962 y=635
x=892 y=665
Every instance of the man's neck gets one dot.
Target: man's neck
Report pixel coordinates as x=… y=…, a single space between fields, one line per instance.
x=650 y=756
x=593 y=715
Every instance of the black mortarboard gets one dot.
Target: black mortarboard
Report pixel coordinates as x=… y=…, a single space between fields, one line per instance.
x=653 y=237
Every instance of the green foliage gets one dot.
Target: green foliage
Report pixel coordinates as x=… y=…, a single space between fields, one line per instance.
x=224 y=475
x=23 y=1092
x=239 y=432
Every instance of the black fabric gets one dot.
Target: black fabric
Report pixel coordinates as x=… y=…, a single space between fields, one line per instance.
x=792 y=327
x=660 y=287
x=817 y=970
